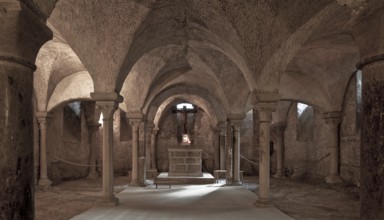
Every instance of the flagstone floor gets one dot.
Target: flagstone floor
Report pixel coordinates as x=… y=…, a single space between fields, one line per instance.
x=296 y=199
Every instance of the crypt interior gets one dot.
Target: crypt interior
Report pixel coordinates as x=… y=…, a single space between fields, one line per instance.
x=257 y=91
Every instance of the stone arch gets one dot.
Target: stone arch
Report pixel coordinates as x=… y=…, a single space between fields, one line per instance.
x=73 y=87
x=56 y=64
x=151 y=106
x=193 y=99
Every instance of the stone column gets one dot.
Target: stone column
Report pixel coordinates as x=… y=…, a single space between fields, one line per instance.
x=266 y=104
x=229 y=154
x=332 y=119
x=280 y=128
x=93 y=129
x=148 y=145
x=22 y=32
x=42 y=118
x=135 y=120
x=216 y=135
x=36 y=149
x=223 y=132
x=107 y=103
x=369 y=34
x=153 y=149
x=142 y=155
x=236 y=122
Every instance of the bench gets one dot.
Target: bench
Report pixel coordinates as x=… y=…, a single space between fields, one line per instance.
x=158 y=181
x=216 y=174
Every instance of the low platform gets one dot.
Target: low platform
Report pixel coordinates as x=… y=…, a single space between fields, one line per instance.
x=164 y=179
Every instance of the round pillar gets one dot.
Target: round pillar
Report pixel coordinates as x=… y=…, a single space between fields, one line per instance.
x=93 y=130
x=280 y=128
x=107 y=103
x=42 y=118
x=22 y=34
x=333 y=119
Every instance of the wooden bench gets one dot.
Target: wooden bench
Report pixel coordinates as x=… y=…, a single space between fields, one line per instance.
x=163 y=182
x=216 y=174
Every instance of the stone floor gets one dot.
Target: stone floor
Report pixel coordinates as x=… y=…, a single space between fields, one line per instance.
x=297 y=199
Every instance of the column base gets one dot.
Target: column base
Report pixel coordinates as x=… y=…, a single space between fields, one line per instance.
x=278 y=176
x=93 y=176
x=333 y=179
x=228 y=182
x=134 y=183
x=237 y=183
x=44 y=183
x=108 y=202
x=262 y=202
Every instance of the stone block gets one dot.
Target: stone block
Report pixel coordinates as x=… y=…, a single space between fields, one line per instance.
x=180 y=167
x=194 y=168
x=177 y=160
x=194 y=154
x=180 y=154
x=192 y=161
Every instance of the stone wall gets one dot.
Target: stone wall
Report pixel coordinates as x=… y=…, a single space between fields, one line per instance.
x=306 y=157
x=67 y=138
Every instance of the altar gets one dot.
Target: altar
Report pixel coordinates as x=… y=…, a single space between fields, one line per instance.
x=185 y=162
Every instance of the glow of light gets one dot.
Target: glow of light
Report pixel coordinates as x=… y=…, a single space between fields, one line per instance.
x=101 y=119
x=75 y=106
x=187 y=106
x=186 y=139
x=301 y=108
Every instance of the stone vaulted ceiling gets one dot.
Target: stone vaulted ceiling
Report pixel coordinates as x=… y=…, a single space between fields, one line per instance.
x=216 y=53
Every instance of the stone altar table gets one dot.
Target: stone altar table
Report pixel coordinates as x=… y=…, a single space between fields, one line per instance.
x=185 y=162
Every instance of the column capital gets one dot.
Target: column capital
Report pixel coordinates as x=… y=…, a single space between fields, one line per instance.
x=265 y=110
x=222 y=125
x=43 y=115
x=266 y=103
x=107 y=108
x=107 y=102
x=332 y=118
x=94 y=126
x=236 y=119
x=264 y=97
x=42 y=118
x=135 y=115
x=135 y=123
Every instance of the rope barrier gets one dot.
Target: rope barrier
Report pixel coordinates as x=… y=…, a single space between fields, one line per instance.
x=72 y=163
x=252 y=162
x=312 y=163
x=295 y=168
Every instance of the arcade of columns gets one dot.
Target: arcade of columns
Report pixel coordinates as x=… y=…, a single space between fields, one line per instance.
x=16 y=65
